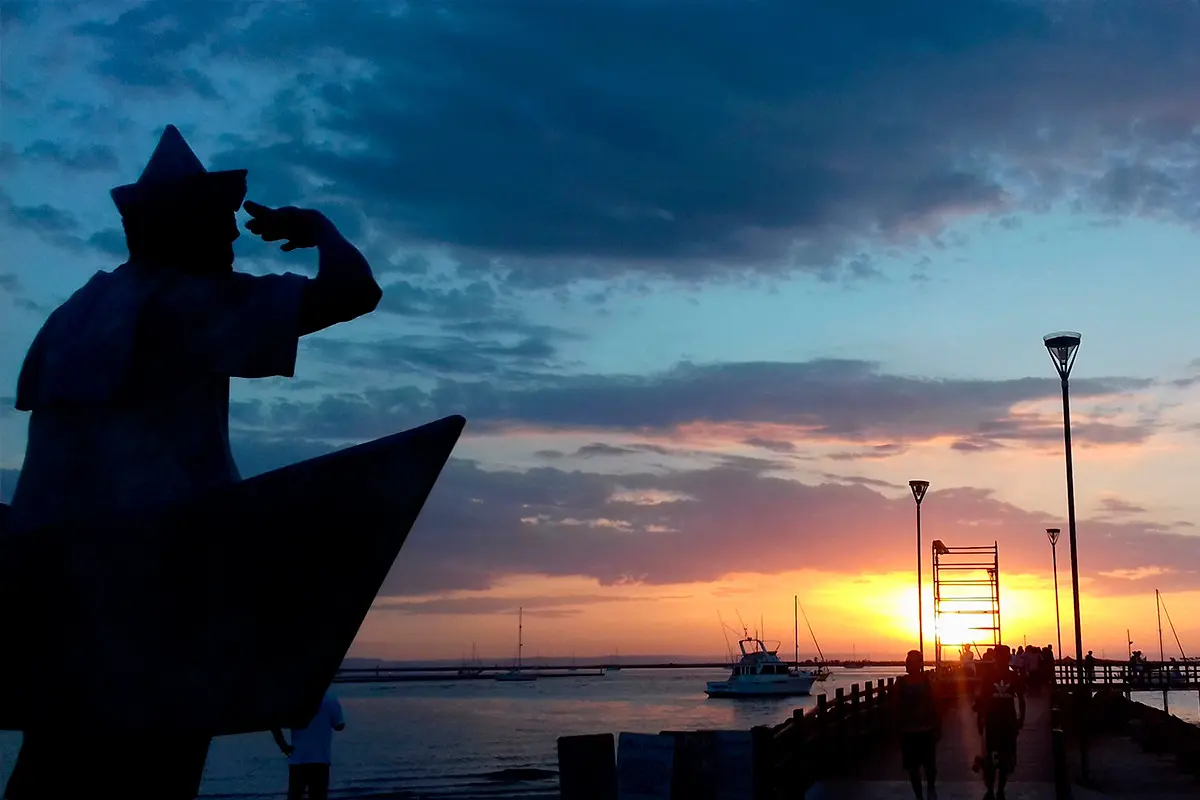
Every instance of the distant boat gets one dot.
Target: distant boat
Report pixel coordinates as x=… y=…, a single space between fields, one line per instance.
x=472 y=670
x=516 y=674
x=614 y=667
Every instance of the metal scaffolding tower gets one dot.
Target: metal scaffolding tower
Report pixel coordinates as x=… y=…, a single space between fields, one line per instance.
x=966 y=598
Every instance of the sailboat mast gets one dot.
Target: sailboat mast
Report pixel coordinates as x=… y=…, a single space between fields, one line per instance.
x=796 y=628
x=1162 y=656
x=520 y=633
x=810 y=633
x=1174 y=632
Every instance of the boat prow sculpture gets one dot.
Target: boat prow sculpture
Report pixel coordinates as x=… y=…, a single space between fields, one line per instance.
x=225 y=615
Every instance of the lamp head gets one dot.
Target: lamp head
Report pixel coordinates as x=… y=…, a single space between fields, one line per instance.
x=1052 y=534
x=918 y=489
x=1063 y=346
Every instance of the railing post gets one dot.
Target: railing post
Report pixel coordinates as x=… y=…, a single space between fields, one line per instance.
x=872 y=710
x=855 y=712
x=1062 y=772
x=839 y=714
x=762 y=755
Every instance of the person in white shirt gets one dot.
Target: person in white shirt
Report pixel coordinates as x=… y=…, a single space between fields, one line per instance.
x=311 y=751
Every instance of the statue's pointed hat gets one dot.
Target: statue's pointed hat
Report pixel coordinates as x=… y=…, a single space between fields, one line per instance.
x=174 y=174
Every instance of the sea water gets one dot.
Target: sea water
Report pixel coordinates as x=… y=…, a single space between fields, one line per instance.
x=456 y=739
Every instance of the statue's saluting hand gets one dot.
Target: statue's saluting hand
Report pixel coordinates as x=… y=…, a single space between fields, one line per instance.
x=301 y=227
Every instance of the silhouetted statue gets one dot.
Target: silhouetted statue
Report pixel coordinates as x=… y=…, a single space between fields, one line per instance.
x=149 y=598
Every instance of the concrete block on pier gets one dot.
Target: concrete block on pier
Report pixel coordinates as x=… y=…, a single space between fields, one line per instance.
x=645 y=766
x=587 y=767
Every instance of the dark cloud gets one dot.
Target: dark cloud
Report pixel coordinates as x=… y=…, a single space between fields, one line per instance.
x=776 y=445
x=84 y=159
x=61 y=228
x=146 y=46
x=602 y=449
x=475 y=309
x=976 y=445
x=861 y=480
x=1116 y=506
x=42 y=219
x=871 y=453
x=700 y=525
x=829 y=400
x=575 y=139
x=475 y=300
x=110 y=242
x=18 y=12
x=533 y=605
x=10 y=283
x=440 y=354
x=10 y=94
x=481 y=525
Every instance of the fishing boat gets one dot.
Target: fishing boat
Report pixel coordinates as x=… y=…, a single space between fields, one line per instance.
x=761 y=673
x=516 y=674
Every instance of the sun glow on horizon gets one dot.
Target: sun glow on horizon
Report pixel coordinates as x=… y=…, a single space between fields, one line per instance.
x=870 y=615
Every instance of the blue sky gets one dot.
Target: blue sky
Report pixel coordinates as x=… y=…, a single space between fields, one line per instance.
x=785 y=251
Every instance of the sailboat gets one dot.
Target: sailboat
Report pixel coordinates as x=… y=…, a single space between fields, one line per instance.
x=474 y=669
x=1169 y=674
x=616 y=657
x=822 y=671
x=516 y=674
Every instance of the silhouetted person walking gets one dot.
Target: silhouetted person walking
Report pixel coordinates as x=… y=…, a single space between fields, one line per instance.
x=128 y=385
x=311 y=751
x=920 y=725
x=1000 y=713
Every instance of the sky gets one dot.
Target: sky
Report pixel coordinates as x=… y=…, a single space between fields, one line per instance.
x=711 y=282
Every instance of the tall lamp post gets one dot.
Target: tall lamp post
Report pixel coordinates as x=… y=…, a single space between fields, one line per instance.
x=918 y=490
x=1063 y=346
x=1052 y=534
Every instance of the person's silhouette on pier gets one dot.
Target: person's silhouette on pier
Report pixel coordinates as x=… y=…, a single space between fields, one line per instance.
x=310 y=752
x=128 y=385
x=920 y=725
x=1000 y=714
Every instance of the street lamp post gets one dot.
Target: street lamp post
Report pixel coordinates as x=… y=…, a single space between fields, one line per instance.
x=1063 y=346
x=918 y=490
x=1052 y=534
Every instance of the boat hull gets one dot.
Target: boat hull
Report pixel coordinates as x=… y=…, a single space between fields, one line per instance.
x=792 y=687
x=516 y=678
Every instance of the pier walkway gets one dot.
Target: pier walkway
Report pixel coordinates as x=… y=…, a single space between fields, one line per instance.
x=882 y=777
x=847 y=748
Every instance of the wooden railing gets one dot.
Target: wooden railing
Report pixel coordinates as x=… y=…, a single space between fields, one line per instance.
x=841 y=731
x=1152 y=675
